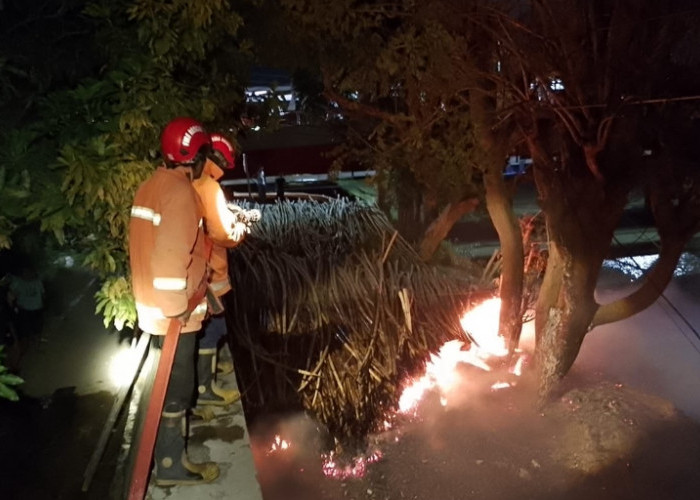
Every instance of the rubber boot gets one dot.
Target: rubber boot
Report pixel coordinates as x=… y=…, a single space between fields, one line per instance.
x=208 y=391
x=203 y=412
x=224 y=365
x=172 y=467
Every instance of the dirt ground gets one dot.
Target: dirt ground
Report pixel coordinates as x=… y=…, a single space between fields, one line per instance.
x=611 y=434
x=597 y=441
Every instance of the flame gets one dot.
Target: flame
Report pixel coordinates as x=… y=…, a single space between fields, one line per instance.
x=481 y=325
x=440 y=373
x=517 y=368
x=279 y=444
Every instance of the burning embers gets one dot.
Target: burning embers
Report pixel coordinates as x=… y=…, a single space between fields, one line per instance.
x=487 y=352
x=354 y=469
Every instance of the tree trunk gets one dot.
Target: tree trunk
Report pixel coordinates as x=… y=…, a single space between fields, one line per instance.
x=500 y=207
x=549 y=290
x=567 y=320
x=494 y=146
x=409 y=199
x=440 y=227
x=581 y=217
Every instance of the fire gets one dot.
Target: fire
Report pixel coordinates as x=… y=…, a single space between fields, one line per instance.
x=481 y=324
x=278 y=444
x=356 y=468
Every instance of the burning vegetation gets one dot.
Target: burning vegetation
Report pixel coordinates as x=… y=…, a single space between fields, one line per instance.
x=334 y=314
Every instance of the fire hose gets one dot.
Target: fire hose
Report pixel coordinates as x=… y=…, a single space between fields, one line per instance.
x=144 y=451
x=142 y=467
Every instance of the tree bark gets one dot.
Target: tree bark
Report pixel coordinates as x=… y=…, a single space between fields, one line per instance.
x=549 y=290
x=500 y=208
x=567 y=321
x=655 y=282
x=440 y=227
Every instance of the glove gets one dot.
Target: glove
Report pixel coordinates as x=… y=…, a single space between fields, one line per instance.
x=252 y=215
x=245 y=216
x=239 y=230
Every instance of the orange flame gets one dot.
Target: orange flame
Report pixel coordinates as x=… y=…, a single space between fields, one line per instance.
x=279 y=444
x=481 y=325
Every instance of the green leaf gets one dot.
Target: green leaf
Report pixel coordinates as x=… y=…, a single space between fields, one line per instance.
x=10 y=379
x=8 y=393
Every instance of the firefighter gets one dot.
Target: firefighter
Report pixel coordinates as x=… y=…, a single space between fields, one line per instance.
x=226 y=231
x=168 y=254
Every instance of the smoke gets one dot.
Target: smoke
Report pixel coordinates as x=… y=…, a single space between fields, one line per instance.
x=293 y=470
x=657 y=350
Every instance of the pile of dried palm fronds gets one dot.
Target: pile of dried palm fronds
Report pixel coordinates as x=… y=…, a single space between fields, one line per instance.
x=331 y=310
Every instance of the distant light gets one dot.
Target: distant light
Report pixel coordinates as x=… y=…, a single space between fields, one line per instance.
x=256 y=128
x=556 y=84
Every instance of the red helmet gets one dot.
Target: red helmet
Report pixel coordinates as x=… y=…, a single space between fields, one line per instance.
x=182 y=139
x=221 y=145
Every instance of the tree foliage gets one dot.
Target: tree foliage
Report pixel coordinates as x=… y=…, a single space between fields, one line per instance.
x=8 y=380
x=388 y=66
x=86 y=144
x=588 y=86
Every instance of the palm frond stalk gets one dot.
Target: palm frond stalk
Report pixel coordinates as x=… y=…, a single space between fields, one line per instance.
x=332 y=310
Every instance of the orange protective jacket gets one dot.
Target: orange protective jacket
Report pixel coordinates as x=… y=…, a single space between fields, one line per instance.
x=219 y=222
x=168 y=251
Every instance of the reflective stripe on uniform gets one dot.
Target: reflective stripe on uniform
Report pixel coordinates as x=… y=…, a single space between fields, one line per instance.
x=151 y=312
x=219 y=285
x=146 y=214
x=170 y=284
x=156 y=314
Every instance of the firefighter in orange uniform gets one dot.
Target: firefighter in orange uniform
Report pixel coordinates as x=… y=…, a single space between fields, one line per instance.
x=168 y=254
x=225 y=231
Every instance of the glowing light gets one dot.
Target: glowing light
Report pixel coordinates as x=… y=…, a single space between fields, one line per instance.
x=354 y=469
x=122 y=367
x=481 y=325
x=517 y=368
x=440 y=373
x=279 y=444
x=500 y=385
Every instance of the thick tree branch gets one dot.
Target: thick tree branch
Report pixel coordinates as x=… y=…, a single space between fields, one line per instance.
x=654 y=284
x=440 y=227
